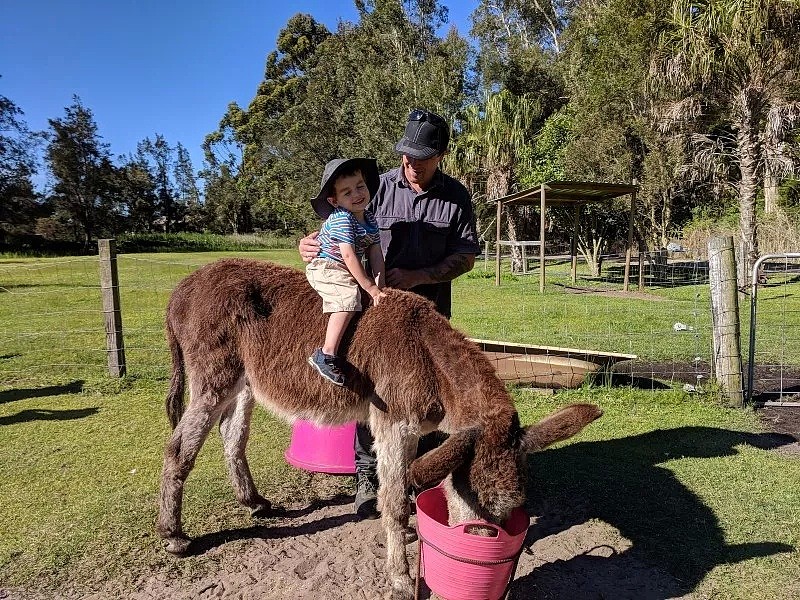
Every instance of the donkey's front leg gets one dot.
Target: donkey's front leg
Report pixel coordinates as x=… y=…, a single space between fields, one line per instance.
x=234 y=427
x=395 y=443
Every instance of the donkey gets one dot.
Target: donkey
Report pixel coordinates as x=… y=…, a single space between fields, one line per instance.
x=239 y=331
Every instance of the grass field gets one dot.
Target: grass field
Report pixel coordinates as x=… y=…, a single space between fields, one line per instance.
x=688 y=481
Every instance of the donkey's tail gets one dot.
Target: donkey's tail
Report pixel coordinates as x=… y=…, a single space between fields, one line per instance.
x=177 y=381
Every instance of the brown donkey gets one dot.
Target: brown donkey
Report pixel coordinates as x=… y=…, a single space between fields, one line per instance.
x=240 y=331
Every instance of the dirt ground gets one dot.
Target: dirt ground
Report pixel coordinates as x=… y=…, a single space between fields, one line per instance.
x=323 y=552
x=327 y=554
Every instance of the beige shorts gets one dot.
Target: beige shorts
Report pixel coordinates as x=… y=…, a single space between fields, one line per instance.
x=334 y=283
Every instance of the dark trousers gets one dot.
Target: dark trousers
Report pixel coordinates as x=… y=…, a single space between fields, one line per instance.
x=367 y=464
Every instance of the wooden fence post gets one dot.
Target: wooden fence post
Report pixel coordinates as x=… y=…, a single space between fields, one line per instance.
x=112 y=315
x=725 y=317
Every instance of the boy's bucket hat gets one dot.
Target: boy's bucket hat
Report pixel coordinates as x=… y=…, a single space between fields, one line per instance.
x=427 y=134
x=368 y=168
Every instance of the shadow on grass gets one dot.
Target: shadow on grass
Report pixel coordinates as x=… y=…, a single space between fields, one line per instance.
x=74 y=387
x=621 y=482
x=209 y=541
x=37 y=414
x=629 y=380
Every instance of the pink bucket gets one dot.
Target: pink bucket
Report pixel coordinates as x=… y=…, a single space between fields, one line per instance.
x=458 y=565
x=322 y=449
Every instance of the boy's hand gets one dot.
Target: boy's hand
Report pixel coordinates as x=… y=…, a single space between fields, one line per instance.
x=377 y=297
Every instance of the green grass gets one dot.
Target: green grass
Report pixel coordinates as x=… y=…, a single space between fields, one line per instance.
x=690 y=483
x=640 y=324
x=201 y=242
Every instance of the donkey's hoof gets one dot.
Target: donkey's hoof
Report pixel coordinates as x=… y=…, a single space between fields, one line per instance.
x=262 y=510
x=177 y=545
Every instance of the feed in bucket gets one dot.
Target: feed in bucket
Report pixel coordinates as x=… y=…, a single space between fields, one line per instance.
x=459 y=565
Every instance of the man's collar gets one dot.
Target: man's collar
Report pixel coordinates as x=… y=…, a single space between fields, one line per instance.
x=436 y=181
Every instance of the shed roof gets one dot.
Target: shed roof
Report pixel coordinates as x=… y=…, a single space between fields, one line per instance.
x=569 y=192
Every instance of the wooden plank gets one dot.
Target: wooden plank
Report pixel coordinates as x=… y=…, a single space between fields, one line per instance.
x=500 y=346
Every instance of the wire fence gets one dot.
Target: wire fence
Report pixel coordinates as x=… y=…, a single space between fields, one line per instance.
x=53 y=328
x=666 y=324
x=51 y=319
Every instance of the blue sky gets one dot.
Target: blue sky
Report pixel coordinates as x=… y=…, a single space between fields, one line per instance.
x=146 y=67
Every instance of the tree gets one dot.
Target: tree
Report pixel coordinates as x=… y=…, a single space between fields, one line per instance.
x=187 y=193
x=738 y=59
x=519 y=44
x=338 y=94
x=137 y=194
x=492 y=138
x=80 y=164
x=228 y=209
x=159 y=155
x=18 y=202
x=614 y=129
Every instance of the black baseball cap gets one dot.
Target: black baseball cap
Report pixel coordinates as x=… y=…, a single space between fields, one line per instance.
x=427 y=134
x=334 y=168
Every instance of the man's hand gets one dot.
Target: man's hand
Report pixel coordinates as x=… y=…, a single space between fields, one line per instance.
x=405 y=279
x=309 y=247
x=445 y=270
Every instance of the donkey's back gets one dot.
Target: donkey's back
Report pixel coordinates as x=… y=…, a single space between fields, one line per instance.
x=239 y=318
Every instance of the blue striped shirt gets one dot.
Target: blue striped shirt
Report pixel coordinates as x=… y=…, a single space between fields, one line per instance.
x=343 y=228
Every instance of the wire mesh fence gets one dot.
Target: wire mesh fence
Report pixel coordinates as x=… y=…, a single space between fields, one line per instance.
x=666 y=324
x=52 y=322
x=51 y=319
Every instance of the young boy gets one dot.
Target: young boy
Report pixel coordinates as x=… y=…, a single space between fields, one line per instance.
x=349 y=231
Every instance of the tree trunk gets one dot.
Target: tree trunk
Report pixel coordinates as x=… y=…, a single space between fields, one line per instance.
x=496 y=187
x=771 y=195
x=747 y=143
x=666 y=218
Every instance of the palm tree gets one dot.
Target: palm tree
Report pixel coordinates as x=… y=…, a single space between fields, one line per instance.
x=737 y=60
x=488 y=147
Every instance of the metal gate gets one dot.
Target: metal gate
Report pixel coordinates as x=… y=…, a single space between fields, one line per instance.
x=774 y=354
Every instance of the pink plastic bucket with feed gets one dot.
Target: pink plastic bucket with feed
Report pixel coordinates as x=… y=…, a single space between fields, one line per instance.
x=322 y=449
x=459 y=565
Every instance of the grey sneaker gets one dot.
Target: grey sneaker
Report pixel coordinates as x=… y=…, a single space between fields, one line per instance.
x=366 y=504
x=326 y=365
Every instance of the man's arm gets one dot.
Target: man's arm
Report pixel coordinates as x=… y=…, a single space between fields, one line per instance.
x=445 y=270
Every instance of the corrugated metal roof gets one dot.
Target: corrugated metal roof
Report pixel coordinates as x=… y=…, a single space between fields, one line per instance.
x=569 y=192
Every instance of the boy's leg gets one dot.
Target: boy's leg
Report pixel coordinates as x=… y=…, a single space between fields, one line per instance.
x=337 y=323
x=366 y=503
x=324 y=359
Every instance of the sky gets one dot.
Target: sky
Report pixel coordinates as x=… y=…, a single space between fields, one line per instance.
x=146 y=67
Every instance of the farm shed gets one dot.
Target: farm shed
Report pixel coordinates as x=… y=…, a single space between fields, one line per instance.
x=564 y=193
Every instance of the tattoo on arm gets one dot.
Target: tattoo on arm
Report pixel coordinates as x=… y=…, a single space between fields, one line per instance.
x=451 y=267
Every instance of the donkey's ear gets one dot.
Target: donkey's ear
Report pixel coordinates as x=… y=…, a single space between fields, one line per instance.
x=432 y=467
x=558 y=426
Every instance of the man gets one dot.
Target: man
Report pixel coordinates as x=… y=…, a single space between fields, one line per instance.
x=428 y=237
